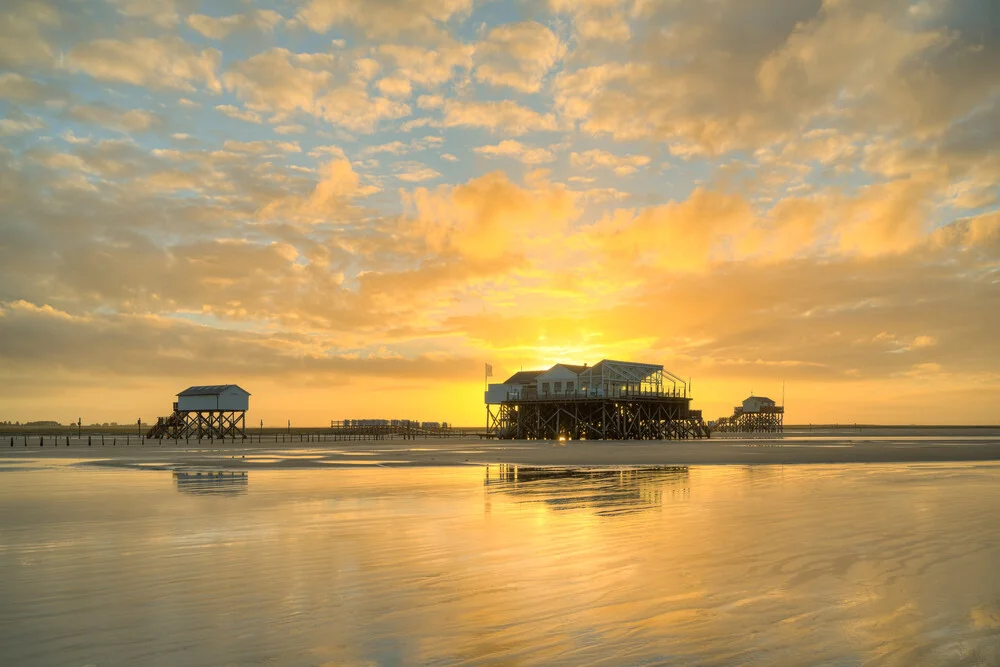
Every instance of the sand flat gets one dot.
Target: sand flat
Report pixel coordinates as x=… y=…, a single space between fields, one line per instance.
x=908 y=446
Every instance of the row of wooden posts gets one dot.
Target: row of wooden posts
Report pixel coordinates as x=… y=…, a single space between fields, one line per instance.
x=278 y=437
x=54 y=439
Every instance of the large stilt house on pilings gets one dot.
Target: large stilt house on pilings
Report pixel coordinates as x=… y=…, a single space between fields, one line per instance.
x=611 y=400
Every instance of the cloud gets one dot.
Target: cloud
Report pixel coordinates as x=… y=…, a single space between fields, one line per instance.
x=164 y=63
x=426 y=67
x=261 y=147
x=848 y=49
x=239 y=114
x=687 y=81
x=120 y=120
x=19 y=124
x=44 y=337
x=680 y=236
x=978 y=233
x=622 y=165
x=395 y=86
x=489 y=218
x=518 y=55
x=293 y=128
x=506 y=116
x=606 y=26
x=884 y=217
x=430 y=101
x=329 y=201
x=22 y=89
x=164 y=13
x=326 y=86
x=414 y=172
x=331 y=151
x=383 y=19
x=518 y=151
x=22 y=39
x=400 y=148
x=263 y=20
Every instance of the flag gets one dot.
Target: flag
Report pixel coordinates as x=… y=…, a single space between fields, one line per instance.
x=489 y=370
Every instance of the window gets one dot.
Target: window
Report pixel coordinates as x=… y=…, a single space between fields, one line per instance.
x=545 y=387
x=557 y=387
x=569 y=387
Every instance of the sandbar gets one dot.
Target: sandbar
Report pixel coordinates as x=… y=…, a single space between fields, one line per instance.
x=912 y=446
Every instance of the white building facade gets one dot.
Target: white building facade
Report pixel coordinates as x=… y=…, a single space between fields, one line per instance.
x=217 y=397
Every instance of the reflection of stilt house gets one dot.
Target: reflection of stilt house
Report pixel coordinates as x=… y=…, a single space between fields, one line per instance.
x=212 y=482
x=611 y=400
x=758 y=414
x=205 y=411
x=610 y=492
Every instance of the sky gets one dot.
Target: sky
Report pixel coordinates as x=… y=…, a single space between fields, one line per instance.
x=349 y=207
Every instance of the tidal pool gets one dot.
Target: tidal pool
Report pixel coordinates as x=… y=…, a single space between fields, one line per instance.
x=722 y=565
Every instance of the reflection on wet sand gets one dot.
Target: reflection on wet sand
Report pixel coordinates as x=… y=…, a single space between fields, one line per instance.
x=212 y=482
x=609 y=491
x=718 y=565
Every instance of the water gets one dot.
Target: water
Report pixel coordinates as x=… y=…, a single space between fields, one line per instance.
x=837 y=565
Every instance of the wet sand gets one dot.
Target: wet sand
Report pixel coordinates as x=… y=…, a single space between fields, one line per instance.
x=971 y=445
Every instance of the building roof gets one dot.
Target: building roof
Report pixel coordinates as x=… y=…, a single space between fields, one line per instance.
x=210 y=390
x=759 y=398
x=628 y=364
x=573 y=367
x=523 y=377
x=623 y=370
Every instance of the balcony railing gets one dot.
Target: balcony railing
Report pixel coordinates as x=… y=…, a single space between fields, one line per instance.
x=597 y=393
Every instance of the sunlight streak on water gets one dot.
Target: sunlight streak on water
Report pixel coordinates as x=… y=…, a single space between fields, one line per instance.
x=715 y=565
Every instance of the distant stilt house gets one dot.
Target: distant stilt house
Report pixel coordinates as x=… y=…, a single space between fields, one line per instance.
x=206 y=411
x=611 y=400
x=757 y=414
